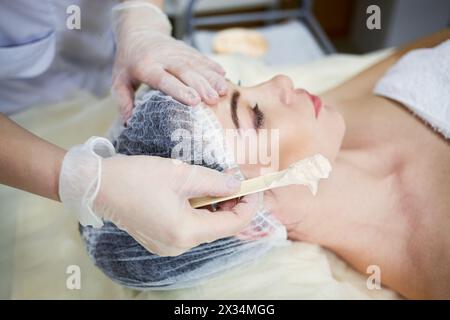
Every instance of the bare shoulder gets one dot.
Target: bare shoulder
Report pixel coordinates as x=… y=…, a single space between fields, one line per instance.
x=426 y=201
x=421 y=154
x=422 y=157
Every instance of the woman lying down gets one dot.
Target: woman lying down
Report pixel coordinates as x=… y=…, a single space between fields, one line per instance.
x=386 y=202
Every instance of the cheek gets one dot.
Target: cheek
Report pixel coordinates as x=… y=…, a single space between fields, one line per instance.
x=249 y=151
x=297 y=141
x=302 y=136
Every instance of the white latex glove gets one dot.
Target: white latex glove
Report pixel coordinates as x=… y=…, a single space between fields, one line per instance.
x=148 y=197
x=146 y=53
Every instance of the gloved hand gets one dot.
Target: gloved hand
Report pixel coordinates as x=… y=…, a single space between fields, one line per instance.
x=148 y=197
x=146 y=53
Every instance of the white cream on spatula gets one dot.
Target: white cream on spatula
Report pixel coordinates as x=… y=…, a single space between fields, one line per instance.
x=306 y=172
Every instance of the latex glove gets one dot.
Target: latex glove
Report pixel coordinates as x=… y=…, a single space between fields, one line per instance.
x=146 y=53
x=148 y=197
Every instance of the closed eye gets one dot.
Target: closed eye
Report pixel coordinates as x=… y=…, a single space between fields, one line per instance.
x=258 y=119
x=258 y=115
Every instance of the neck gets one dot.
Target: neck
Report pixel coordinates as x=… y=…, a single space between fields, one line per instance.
x=359 y=197
x=356 y=214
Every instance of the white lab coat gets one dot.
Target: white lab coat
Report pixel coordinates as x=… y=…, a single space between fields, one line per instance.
x=43 y=61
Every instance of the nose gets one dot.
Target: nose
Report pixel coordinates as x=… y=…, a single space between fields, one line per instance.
x=283 y=82
x=285 y=88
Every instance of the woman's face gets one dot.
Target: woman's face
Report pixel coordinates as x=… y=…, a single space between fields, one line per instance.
x=287 y=124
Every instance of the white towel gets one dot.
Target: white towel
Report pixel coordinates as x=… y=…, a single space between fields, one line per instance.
x=421 y=81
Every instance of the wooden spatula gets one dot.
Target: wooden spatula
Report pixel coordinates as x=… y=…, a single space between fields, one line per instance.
x=249 y=186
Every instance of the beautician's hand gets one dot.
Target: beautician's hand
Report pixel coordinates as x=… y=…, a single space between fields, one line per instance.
x=148 y=197
x=146 y=53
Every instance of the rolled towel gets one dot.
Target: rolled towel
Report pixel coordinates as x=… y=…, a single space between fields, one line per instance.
x=421 y=81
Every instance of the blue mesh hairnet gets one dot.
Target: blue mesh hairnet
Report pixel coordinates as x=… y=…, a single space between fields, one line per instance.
x=157 y=126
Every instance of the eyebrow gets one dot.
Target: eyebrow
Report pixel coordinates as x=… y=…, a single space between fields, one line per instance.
x=233 y=106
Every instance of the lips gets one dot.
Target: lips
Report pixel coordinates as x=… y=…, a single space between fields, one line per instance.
x=317 y=103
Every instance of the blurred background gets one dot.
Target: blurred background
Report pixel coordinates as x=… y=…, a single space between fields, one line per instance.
x=343 y=21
